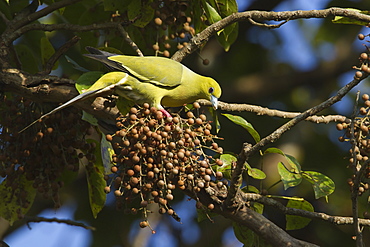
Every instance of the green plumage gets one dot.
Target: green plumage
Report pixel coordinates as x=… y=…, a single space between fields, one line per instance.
x=155 y=80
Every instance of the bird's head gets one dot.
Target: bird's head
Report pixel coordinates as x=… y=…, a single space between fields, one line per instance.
x=213 y=92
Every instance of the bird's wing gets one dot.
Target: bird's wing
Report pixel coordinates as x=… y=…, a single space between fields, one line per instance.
x=160 y=71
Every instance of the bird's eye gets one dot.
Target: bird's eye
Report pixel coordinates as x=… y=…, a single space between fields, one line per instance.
x=211 y=90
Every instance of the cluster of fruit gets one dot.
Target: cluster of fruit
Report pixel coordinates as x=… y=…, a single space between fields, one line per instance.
x=173 y=20
x=45 y=153
x=360 y=151
x=155 y=155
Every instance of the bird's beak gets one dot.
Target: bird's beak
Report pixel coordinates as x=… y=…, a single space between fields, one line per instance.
x=214 y=102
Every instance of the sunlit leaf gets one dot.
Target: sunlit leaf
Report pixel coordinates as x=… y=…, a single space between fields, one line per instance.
x=255 y=172
x=245 y=124
x=250 y=189
x=292 y=161
x=228 y=36
x=107 y=153
x=322 y=185
x=294 y=222
x=212 y=14
x=289 y=178
x=348 y=20
x=86 y=80
x=228 y=161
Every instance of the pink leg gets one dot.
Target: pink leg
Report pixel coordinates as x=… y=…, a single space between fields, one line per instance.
x=166 y=113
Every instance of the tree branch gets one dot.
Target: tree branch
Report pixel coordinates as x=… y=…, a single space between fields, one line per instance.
x=51 y=220
x=54 y=58
x=245 y=216
x=46 y=88
x=199 y=39
x=247 y=152
x=259 y=110
x=337 y=220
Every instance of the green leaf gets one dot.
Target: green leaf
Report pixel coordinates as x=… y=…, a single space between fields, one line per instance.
x=27 y=59
x=5 y=9
x=199 y=24
x=211 y=13
x=228 y=161
x=322 y=185
x=217 y=10
x=250 y=189
x=242 y=122
x=96 y=182
x=228 y=36
x=86 y=80
x=140 y=13
x=255 y=172
x=204 y=214
x=348 y=20
x=113 y=5
x=10 y=207
x=292 y=161
x=245 y=235
x=107 y=153
x=47 y=50
x=124 y=105
x=289 y=178
x=294 y=222
x=227 y=7
x=17 y=6
x=95 y=14
x=91 y=119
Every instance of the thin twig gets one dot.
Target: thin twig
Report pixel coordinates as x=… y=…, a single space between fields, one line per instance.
x=3 y=18
x=128 y=39
x=280 y=131
x=37 y=219
x=54 y=58
x=337 y=220
x=270 y=26
x=259 y=110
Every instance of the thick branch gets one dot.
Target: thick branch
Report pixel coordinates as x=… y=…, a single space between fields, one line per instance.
x=245 y=216
x=46 y=88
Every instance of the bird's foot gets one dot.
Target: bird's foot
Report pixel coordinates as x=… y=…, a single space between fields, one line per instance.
x=166 y=113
